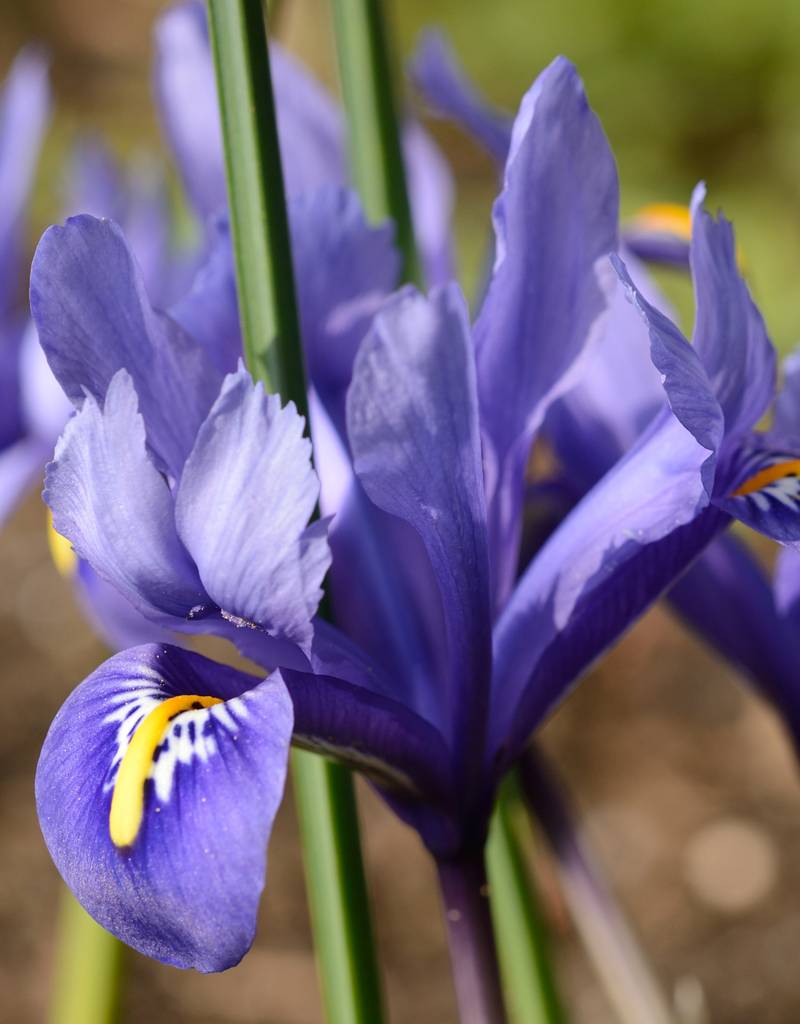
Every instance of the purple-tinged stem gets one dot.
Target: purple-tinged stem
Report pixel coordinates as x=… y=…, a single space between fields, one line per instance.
x=629 y=981
x=476 y=977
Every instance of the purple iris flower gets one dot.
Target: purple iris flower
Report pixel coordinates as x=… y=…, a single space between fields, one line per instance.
x=190 y=491
x=311 y=129
x=724 y=595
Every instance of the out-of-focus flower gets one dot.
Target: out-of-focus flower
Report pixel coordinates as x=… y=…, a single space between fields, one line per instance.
x=311 y=130
x=24 y=113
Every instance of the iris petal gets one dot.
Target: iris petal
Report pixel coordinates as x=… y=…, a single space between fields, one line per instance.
x=182 y=882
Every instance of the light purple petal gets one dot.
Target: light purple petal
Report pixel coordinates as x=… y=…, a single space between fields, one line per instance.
x=186 y=889
x=344 y=269
x=612 y=556
x=187 y=97
x=617 y=396
x=24 y=113
x=94 y=318
x=555 y=223
x=111 y=502
x=786 y=585
x=309 y=122
x=786 y=412
x=310 y=127
x=729 y=333
x=431 y=194
x=413 y=428
x=209 y=310
x=45 y=407
x=242 y=508
x=21 y=463
x=445 y=86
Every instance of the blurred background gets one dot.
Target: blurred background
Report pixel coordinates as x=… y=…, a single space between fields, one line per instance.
x=685 y=782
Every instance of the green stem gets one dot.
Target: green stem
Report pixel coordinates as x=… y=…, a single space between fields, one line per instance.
x=376 y=158
x=338 y=895
x=270 y=325
x=259 y=223
x=86 y=987
x=520 y=930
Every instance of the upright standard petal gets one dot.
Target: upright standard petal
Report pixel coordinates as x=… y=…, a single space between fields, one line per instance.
x=444 y=85
x=345 y=269
x=729 y=333
x=156 y=790
x=555 y=224
x=431 y=195
x=112 y=504
x=187 y=94
x=413 y=426
x=689 y=390
x=310 y=125
x=94 y=318
x=616 y=552
x=242 y=508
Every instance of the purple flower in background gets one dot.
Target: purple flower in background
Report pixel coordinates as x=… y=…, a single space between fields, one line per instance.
x=24 y=112
x=311 y=128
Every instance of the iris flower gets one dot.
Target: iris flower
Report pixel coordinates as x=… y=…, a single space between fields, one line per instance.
x=190 y=491
x=725 y=595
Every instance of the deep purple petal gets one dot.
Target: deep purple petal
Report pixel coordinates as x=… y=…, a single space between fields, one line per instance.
x=726 y=598
x=186 y=888
x=413 y=428
x=612 y=556
x=94 y=318
x=555 y=223
x=389 y=744
x=445 y=86
x=761 y=487
x=729 y=333
x=689 y=390
x=112 y=504
x=242 y=508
